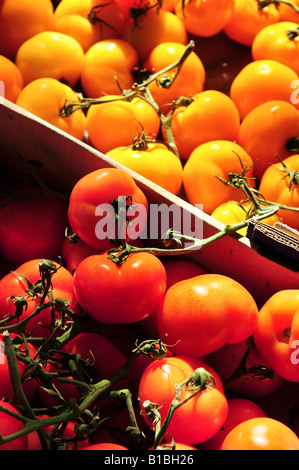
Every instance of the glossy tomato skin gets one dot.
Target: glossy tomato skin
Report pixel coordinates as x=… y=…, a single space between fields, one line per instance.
x=203 y=313
x=125 y=293
x=239 y=410
x=279 y=184
x=200 y=417
x=207 y=116
x=99 y=189
x=13 y=284
x=10 y=425
x=276 y=336
x=32 y=228
x=156 y=162
x=261 y=434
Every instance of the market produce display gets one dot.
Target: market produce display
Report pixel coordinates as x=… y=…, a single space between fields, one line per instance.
x=111 y=337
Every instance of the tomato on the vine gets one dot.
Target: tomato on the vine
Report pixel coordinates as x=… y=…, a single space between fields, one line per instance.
x=10 y=425
x=100 y=205
x=200 y=417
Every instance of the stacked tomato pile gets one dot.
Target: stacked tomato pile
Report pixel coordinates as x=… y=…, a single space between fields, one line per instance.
x=106 y=342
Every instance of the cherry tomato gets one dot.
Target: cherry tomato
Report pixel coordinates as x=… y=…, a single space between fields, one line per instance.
x=203 y=17
x=46 y=97
x=247 y=19
x=103 y=62
x=261 y=81
x=14 y=285
x=155 y=161
x=280 y=183
x=153 y=28
x=199 y=418
x=276 y=335
x=32 y=227
x=128 y=117
x=93 y=195
x=279 y=42
x=239 y=410
x=51 y=54
x=125 y=293
x=206 y=116
x=207 y=163
x=201 y=314
x=190 y=79
x=261 y=434
x=267 y=131
x=9 y=425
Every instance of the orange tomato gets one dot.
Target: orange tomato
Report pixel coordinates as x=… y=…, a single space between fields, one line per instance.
x=53 y=55
x=261 y=81
x=189 y=80
x=247 y=19
x=11 y=77
x=20 y=20
x=154 y=161
x=279 y=41
x=206 y=164
x=153 y=28
x=280 y=183
x=116 y=123
x=287 y=12
x=206 y=116
x=203 y=17
x=45 y=98
x=104 y=62
x=267 y=131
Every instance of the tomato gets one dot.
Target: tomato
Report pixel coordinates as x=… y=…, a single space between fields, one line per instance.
x=231 y=212
x=247 y=19
x=51 y=54
x=29 y=385
x=203 y=17
x=20 y=20
x=104 y=446
x=125 y=293
x=210 y=161
x=261 y=434
x=201 y=416
x=203 y=313
x=261 y=81
x=239 y=410
x=287 y=12
x=279 y=42
x=155 y=161
x=280 y=183
x=206 y=116
x=190 y=79
x=9 y=425
x=276 y=335
x=13 y=285
x=32 y=227
x=46 y=97
x=74 y=251
x=153 y=28
x=174 y=446
x=11 y=77
x=128 y=117
x=259 y=379
x=92 y=215
x=104 y=62
x=180 y=269
x=268 y=131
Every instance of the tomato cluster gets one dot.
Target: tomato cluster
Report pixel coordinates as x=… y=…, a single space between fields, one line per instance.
x=126 y=347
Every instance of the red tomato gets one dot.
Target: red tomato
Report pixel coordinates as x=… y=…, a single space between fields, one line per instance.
x=200 y=417
x=239 y=410
x=104 y=446
x=277 y=334
x=203 y=313
x=180 y=269
x=226 y=361
x=15 y=285
x=125 y=293
x=32 y=227
x=73 y=252
x=261 y=434
x=92 y=215
x=9 y=425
